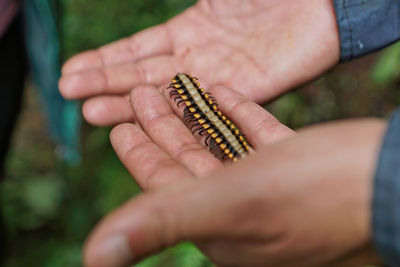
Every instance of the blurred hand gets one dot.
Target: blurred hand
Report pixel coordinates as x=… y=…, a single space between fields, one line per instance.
x=301 y=201
x=259 y=48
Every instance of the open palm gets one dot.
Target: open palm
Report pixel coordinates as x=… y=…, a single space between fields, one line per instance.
x=259 y=48
x=158 y=149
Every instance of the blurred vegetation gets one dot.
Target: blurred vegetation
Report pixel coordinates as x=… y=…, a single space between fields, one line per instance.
x=48 y=207
x=364 y=87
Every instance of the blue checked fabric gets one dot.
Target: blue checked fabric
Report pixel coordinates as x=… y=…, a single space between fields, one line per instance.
x=366 y=25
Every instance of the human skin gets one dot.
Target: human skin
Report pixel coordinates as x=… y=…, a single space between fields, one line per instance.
x=261 y=48
x=302 y=200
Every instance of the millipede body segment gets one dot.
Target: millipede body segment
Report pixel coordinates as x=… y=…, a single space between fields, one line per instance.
x=202 y=115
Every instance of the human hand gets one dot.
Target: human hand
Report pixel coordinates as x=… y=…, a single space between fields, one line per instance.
x=159 y=148
x=259 y=48
x=303 y=201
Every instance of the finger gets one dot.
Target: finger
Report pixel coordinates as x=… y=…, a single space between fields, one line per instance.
x=165 y=129
x=259 y=126
x=147 y=163
x=194 y=209
x=108 y=110
x=150 y=42
x=118 y=79
x=151 y=222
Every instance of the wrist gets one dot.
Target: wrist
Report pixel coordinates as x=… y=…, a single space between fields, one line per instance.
x=326 y=19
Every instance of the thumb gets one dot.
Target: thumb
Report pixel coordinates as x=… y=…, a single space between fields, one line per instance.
x=157 y=219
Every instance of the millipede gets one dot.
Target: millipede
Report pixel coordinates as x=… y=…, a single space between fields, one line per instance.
x=202 y=116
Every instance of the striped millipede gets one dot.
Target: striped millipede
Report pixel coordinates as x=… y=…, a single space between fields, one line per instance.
x=202 y=115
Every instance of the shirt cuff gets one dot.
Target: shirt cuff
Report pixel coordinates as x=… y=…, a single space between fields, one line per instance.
x=386 y=199
x=366 y=25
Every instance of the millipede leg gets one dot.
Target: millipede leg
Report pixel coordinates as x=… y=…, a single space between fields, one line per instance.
x=202 y=132
x=186 y=112
x=177 y=98
x=187 y=118
x=220 y=155
x=194 y=125
x=197 y=129
x=212 y=145
x=180 y=102
x=206 y=140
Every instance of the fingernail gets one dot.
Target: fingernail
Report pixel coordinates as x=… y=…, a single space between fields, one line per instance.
x=117 y=252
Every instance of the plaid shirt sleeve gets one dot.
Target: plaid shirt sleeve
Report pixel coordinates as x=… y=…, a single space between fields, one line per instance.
x=386 y=199
x=366 y=25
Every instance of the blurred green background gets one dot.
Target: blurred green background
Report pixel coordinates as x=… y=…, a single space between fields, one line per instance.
x=49 y=207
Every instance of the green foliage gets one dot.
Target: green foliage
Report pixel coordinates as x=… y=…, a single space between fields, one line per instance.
x=89 y=24
x=185 y=254
x=387 y=69
x=33 y=202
